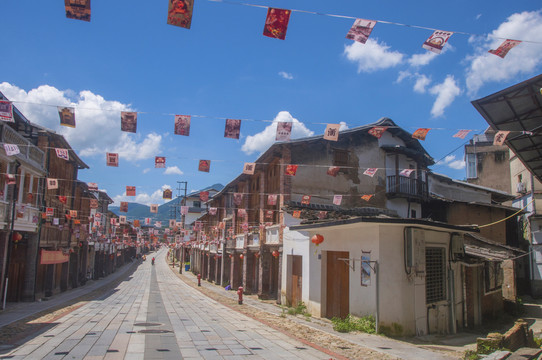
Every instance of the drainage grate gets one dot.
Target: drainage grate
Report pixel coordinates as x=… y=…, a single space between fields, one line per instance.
x=211 y=349
x=300 y=348
x=154 y=331
x=205 y=331
x=91 y=333
x=62 y=353
x=241 y=330
x=147 y=324
x=255 y=348
x=48 y=336
x=112 y=351
x=130 y=332
x=162 y=350
x=383 y=348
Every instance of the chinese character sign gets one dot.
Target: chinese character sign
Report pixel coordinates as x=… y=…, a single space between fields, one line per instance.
x=62 y=154
x=284 y=129
x=130 y=191
x=233 y=129
x=160 y=162
x=504 y=48
x=128 y=121
x=52 y=184
x=361 y=30
x=180 y=13
x=182 y=125
x=6 y=111
x=436 y=41
x=67 y=116
x=11 y=149
x=112 y=159
x=77 y=9
x=204 y=165
x=249 y=168
x=332 y=132
x=276 y=23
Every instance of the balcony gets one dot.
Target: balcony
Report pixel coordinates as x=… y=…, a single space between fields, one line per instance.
x=29 y=153
x=401 y=186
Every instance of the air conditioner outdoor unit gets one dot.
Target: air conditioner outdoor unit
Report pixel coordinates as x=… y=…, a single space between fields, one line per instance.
x=520 y=187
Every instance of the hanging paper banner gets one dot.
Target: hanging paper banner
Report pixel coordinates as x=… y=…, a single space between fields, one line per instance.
x=182 y=125
x=62 y=154
x=92 y=186
x=407 y=172
x=291 y=170
x=505 y=47
x=52 y=184
x=77 y=9
x=241 y=212
x=370 y=172
x=154 y=208
x=137 y=224
x=184 y=210
x=272 y=199
x=147 y=221
x=436 y=41
x=6 y=111
x=171 y=223
x=305 y=199
x=297 y=214
x=276 y=23
x=49 y=211
x=67 y=116
x=123 y=206
x=130 y=191
x=73 y=213
x=112 y=159
x=337 y=199
x=500 y=137
x=249 y=168
x=167 y=194
x=180 y=13
x=366 y=197
x=233 y=129
x=128 y=121
x=237 y=198
x=93 y=203
x=56 y=221
x=198 y=225
x=63 y=199
x=11 y=149
x=122 y=219
x=269 y=214
x=160 y=162
x=284 y=129
x=333 y=170
x=204 y=195
x=322 y=215
x=212 y=211
x=332 y=132
x=244 y=227
x=378 y=131
x=365 y=268
x=158 y=224
x=361 y=30
x=10 y=178
x=462 y=134
x=204 y=165
x=420 y=134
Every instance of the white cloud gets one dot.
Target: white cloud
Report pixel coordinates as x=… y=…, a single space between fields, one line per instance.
x=452 y=162
x=97 y=121
x=523 y=59
x=344 y=126
x=372 y=56
x=422 y=59
x=478 y=16
x=446 y=92
x=146 y=170
x=403 y=75
x=262 y=140
x=421 y=83
x=286 y=75
x=173 y=170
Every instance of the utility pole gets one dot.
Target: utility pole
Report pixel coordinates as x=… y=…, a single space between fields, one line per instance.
x=185 y=183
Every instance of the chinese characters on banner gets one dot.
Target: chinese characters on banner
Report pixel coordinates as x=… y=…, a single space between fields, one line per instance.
x=212 y=211
x=241 y=212
x=249 y=168
x=93 y=203
x=237 y=198
x=268 y=214
x=370 y=172
x=333 y=170
x=366 y=197
x=500 y=137
x=436 y=41
x=167 y=194
x=272 y=199
x=6 y=111
x=462 y=134
x=159 y=162
x=11 y=149
x=63 y=199
x=154 y=208
x=182 y=125
x=147 y=221
x=77 y=9
x=122 y=219
x=284 y=129
x=73 y=213
x=52 y=184
x=130 y=191
x=112 y=159
x=171 y=223
x=179 y=13
x=420 y=134
x=128 y=121
x=233 y=129
x=504 y=48
x=204 y=165
x=184 y=210
x=137 y=223
x=337 y=199
x=276 y=23
x=67 y=116
x=332 y=132
x=290 y=170
x=378 y=131
x=406 y=172
x=361 y=30
x=306 y=199
x=297 y=214
x=92 y=186
x=62 y=154
x=322 y=215
x=49 y=211
x=204 y=195
x=123 y=206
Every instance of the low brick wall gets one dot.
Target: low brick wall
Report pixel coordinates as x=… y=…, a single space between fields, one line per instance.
x=517 y=337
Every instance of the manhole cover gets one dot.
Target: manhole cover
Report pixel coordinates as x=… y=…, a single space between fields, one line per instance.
x=154 y=331
x=147 y=324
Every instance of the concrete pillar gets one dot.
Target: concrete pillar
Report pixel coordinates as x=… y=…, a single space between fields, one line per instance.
x=30 y=268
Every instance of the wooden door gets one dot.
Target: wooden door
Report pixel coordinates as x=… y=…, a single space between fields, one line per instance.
x=297 y=279
x=337 y=285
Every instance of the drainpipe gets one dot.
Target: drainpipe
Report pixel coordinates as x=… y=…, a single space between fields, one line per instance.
x=377 y=317
x=10 y=236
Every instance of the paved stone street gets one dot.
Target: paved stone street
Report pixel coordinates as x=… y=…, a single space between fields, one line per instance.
x=155 y=315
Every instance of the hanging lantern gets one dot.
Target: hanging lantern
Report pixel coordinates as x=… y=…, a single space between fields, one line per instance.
x=257 y=255
x=231 y=256
x=17 y=237
x=241 y=256
x=317 y=239
x=275 y=253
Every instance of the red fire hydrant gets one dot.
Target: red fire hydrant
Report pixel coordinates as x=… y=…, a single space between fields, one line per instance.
x=240 y=293
x=199 y=279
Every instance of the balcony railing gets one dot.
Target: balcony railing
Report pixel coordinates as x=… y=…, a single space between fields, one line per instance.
x=403 y=186
x=28 y=151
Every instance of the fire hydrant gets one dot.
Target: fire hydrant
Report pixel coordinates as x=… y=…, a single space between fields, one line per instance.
x=240 y=293
x=199 y=279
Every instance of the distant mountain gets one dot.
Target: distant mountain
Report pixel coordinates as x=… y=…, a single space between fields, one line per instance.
x=165 y=211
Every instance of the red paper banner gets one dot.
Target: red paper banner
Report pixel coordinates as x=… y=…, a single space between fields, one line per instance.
x=180 y=13
x=276 y=23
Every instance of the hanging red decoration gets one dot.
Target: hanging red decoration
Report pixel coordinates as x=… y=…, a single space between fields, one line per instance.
x=241 y=256
x=317 y=239
x=17 y=237
x=275 y=253
x=257 y=254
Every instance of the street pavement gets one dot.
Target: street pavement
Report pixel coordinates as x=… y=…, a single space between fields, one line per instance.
x=155 y=315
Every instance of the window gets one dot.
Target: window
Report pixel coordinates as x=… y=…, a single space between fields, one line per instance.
x=435 y=278
x=340 y=157
x=471 y=166
x=196 y=204
x=493 y=276
x=500 y=156
x=412 y=214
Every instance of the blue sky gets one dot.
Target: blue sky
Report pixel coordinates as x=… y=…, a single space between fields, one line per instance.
x=128 y=59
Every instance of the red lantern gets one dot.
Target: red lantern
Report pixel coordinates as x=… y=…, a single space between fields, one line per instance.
x=17 y=237
x=257 y=254
x=275 y=253
x=231 y=256
x=317 y=239
x=241 y=256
